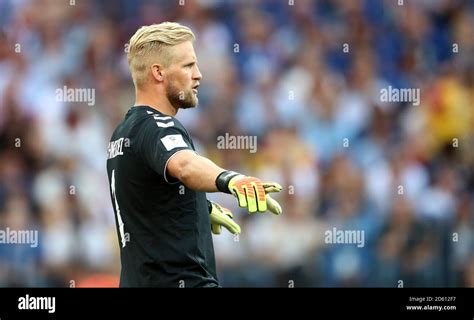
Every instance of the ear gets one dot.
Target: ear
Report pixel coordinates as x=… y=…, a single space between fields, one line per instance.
x=157 y=72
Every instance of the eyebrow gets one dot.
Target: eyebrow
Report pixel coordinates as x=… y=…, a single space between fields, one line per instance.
x=189 y=64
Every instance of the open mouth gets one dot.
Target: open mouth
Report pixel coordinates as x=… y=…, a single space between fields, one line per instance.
x=195 y=88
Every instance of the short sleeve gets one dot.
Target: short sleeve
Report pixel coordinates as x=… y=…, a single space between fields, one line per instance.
x=159 y=142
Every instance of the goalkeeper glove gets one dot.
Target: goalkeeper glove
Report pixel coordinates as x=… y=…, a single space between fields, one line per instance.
x=221 y=217
x=251 y=192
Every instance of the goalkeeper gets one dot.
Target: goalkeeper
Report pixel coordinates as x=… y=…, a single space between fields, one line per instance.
x=157 y=180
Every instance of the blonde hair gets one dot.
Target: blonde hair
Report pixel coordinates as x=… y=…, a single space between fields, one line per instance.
x=150 y=45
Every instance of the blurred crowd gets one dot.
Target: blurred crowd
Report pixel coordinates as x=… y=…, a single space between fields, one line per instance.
x=303 y=76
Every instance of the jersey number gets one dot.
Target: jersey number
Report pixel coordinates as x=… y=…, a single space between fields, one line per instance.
x=117 y=209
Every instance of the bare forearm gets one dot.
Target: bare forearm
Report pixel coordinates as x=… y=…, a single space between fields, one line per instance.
x=195 y=172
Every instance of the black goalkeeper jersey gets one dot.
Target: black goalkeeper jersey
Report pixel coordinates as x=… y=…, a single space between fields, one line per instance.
x=163 y=227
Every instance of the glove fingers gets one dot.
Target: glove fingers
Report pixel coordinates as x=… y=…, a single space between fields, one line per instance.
x=251 y=198
x=261 y=202
x=251 y=193
x=216 y=229
x=223 y=217
x=237 y=188
x=271 y=187
x=228 y=223
x=273 y=205
x=233 y=227
x=241 y=196
x=227 y=212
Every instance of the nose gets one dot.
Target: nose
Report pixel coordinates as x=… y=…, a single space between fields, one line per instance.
x=197 y=74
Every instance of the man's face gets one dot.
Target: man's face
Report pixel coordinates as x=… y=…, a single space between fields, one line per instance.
x=182 y=76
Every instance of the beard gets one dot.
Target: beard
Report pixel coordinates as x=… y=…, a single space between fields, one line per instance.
x=181 y=99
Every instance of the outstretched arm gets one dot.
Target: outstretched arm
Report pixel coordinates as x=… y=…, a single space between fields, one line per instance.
x=201 y=174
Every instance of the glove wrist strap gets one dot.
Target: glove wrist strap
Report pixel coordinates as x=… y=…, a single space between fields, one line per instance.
x=222 y=180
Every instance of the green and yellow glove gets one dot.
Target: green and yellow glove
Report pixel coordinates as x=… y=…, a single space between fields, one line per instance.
x=251 y=192
x=221 y=217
